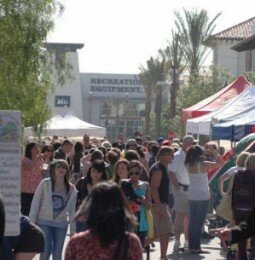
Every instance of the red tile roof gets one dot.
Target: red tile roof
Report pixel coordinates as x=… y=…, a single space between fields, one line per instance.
x=237 y=32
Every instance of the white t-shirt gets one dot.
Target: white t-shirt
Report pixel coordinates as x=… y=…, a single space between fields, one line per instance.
x=179 y=168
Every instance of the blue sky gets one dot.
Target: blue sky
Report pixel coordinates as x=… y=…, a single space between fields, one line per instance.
x=120 y=35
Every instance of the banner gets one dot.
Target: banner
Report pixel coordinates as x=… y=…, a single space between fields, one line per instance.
x=10 y=156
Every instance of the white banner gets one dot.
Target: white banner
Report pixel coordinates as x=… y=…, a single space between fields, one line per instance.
x=10 y=156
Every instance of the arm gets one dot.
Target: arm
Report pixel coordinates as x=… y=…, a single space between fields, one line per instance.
x=147 y=200
x=71 y=212
x=174 y=181
x=36 y=202
x=210 y=165
x=221 y=180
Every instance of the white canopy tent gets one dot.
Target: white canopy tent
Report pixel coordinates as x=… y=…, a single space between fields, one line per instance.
x=235 y=108
x=69 y=126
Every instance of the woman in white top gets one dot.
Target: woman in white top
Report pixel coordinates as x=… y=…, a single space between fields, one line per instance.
x=52 y=206
x=198 y=193
x=240 y=161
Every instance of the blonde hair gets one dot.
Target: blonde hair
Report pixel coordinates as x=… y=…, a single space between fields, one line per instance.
x=250 y=162
x=241 y=158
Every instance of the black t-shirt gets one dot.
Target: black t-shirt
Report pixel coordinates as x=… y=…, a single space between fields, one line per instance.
x=163 y=188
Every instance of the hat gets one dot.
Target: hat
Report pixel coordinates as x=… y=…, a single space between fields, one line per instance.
x=107 y=145
x=160 y=140
x=131 y=142
x=176 y=141
x=188 y=139
x=165 y=142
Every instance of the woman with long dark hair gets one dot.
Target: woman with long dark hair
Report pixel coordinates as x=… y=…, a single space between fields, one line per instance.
x=76 y=161
x=53 y=206
x=109 y=223
x=32 y=174
x=96 y=173
x=198 y=193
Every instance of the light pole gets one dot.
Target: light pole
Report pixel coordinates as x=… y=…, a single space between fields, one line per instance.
x=126 y=97
x=90 y=106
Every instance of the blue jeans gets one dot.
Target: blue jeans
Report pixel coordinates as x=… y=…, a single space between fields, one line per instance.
x=53 y=242
x=197 y=211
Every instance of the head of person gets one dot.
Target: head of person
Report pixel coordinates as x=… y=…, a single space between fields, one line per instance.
x=117 y=151
x=96 y=155
x=132 y=155
x=118 y=145
x=106 y=213
x=139 y=140
x=140 y=151
x=78 y=147
x=107 y=145
x=86 y=140
x=32 y=150
x=134 y=170
x=112 y=157
x=187 y=142
x=194 y=155
x=60 y=170
x=131 y=144
x=97 y=172
x=241 y=158
x=67 y=146
x=250 y=162
x=160 y=140
x=154 y=148
x=165 y=155
x=103 y=150
x=47 y=150
x=55 y=138
x=210 y=148
x=121 y=171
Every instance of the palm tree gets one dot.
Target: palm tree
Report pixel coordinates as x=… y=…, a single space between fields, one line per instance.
x=194 y=27
x=149 y=77
x=174 y=66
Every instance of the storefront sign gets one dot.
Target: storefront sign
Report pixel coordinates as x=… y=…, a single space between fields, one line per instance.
x=62 y=101
x=10 y=155
x=116 y=85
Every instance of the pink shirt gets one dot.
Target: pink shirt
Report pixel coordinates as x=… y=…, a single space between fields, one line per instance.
x=31 y=174
x=86 y=246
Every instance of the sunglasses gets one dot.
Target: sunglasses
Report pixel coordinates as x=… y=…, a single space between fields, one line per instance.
x=132 y=173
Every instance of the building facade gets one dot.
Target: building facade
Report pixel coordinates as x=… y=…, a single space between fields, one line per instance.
x=66 y=98
x=223 y=54
x=115 y=101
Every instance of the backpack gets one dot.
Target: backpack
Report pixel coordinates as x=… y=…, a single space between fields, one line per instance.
x=243 y=196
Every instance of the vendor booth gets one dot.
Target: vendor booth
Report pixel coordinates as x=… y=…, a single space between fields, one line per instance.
x=68 y=126
x=217 y=100
x=236 y=108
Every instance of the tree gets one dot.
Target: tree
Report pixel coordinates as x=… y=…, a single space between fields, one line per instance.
x=174 y=66
x=149 y=77
x=25 y=71
x=194 y=27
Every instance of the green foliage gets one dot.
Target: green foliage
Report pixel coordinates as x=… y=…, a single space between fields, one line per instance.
x=194 y=26
x=250 y=76
x=149 y=76
x=203 y=86
x=25 y=71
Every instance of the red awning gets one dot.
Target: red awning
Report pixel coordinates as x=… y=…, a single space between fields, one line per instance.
x=217 y=100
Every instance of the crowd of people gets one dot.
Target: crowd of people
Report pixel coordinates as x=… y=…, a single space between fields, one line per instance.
x=118 y=197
